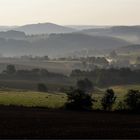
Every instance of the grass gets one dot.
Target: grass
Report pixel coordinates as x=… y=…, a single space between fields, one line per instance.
x=53 y=100
x=120 y=92
x=124 y=88
x=32 y=99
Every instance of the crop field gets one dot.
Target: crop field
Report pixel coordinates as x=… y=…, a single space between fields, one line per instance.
x=19 y=122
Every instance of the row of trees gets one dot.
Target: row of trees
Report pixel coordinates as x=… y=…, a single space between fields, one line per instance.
x=99 y=77
x=80 y=98
x=108 y=77
x=31 y=74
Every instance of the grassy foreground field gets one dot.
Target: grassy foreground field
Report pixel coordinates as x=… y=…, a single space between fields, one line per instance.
x=53 y=100
x=32 y=99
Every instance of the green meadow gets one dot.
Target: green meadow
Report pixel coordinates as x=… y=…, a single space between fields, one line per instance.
x=55 y=100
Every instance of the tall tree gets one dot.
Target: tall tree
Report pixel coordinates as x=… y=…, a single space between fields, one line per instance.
x=108 y=100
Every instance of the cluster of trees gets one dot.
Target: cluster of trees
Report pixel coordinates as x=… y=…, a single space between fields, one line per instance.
x=108 y=77
x=33 y=79
x=133 y=100
x=80 y=98
x=99 y=77
x=29 y=74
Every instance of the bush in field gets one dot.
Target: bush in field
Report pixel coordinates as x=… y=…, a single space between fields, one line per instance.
x=79 y=100
x=10 y=69
x=108 y=100
x=85 y=85
x=42 y=87
x=133 y=99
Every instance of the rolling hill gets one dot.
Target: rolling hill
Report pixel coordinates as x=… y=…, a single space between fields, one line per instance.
x=58 y=44
x=44 y=28
x=128 y=33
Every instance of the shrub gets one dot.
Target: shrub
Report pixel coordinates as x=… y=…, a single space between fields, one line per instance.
x=42 y=87
x=10 y=69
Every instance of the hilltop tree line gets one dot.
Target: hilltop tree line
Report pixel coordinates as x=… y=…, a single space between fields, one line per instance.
x=99 y=77
x=32 y=74
x=108 y=77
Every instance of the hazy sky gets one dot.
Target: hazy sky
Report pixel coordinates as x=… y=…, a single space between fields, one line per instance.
x=69 y=12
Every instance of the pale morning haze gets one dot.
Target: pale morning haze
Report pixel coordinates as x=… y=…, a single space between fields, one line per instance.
x=70 y=69
x=69 y=12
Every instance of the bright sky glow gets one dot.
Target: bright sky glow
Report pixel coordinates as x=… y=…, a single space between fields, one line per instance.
x=70 y=12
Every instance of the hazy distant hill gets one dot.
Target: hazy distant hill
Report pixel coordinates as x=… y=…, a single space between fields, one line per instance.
x=85 y=27
x=12 y=35
x=115 y=30
x=44 y=28
x=58 y=44
x=6 y=28
x=128 y=33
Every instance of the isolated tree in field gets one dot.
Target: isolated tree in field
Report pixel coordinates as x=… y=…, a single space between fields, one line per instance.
x=133 y=99
x=42 y=87
x=10 y=69
x=85 y=85
x=108 y=100
x=79 y=100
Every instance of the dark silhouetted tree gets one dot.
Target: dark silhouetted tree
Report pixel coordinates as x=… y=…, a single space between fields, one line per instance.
x=133 y=99
x=79 y=100
x=108 y=100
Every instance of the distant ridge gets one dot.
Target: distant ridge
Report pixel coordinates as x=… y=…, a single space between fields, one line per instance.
x=128 y=33
x=44 y=28
x=59 y=44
